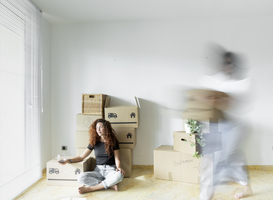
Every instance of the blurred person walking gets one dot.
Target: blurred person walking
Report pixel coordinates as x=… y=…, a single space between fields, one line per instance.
x=228 y=163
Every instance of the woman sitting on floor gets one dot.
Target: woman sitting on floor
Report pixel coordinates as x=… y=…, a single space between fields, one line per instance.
x=107 y=173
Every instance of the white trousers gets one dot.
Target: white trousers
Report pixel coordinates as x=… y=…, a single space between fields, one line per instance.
x=225 y=165
x=106 y=174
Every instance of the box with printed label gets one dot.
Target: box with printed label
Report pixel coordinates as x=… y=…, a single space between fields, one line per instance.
x=58 y=174
x=83 y=122
x=126 y=137
x=123 y=116
x=176 y=166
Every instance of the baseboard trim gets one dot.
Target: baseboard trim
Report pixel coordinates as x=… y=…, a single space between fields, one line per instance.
x=252 y=167
x=143 y=167
x=151 y=167
x=261 y=167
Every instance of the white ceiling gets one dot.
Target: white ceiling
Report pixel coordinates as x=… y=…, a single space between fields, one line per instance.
x=83 y=11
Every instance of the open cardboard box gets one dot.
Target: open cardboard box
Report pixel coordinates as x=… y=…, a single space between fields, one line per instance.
x=123 y=116
x=58 y=174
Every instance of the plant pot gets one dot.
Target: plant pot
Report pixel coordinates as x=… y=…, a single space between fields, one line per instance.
x=187 y=129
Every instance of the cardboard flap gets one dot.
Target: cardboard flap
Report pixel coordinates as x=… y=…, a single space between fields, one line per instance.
x=107 y=102
x=137 y=102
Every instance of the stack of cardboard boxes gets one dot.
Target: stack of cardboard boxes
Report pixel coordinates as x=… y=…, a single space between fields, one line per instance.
x=92 y=109
x=124 y=120
x=177 y=162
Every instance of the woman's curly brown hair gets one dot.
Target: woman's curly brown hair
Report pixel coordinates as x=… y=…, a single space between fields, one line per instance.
x=110 y=138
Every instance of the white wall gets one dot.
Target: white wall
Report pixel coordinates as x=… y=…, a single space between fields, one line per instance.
x=46 y=139
x=155 y=61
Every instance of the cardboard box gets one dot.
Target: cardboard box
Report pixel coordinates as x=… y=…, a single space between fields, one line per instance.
x=93 y=104
x=81 y=139
x=183 y=142
x=207 y=99
x=197 y=105
x=83 y=122
x=202 y=106
x=175 y=166
x=58 y=174
x=123 y=116
x=126 y=137
x=126 y=161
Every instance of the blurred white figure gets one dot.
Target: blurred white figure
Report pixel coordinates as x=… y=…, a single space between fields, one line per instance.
x=228 y=164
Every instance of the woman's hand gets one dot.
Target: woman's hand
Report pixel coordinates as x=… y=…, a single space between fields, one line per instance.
x=63 y=162
x=121 y=171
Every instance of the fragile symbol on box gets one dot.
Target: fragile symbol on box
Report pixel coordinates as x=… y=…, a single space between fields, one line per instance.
x=87 y=121
x=133 y=115
x=77 y=171
x=53 y=170
x=110 y=115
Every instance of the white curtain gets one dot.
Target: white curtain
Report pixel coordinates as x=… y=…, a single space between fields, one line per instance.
x=20 y=91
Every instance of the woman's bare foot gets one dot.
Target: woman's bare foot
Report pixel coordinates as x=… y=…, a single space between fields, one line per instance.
x=84 y=189
x=247 y=192
x=114 y=187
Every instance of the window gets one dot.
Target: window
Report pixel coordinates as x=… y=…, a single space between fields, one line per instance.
x=20 y=89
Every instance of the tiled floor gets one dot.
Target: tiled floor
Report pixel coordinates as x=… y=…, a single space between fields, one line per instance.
x=142 y=185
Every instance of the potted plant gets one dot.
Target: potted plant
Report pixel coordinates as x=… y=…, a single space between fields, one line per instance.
x=193 y=126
